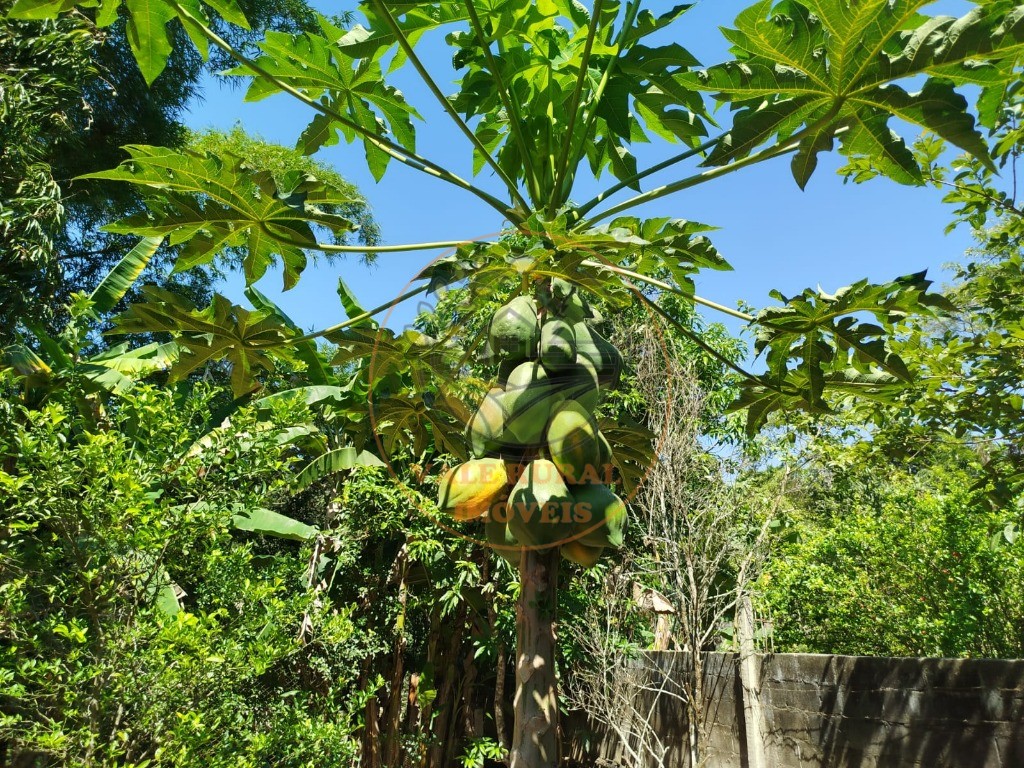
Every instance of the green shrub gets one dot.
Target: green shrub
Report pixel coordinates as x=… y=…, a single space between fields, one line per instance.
x=894 y=561
x=98 y=665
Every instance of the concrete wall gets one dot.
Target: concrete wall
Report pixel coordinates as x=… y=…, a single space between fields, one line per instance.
x=843 y=712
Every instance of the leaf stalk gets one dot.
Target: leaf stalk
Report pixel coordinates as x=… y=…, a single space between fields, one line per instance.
x=406 y=46
x=359 y=318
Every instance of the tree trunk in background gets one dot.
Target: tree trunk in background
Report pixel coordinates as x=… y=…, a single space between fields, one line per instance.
x=502 y=665
x=535 y=734
x=446 y=704
x=393 y=719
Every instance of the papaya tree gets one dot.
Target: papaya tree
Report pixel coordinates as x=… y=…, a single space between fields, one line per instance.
x=548 y=91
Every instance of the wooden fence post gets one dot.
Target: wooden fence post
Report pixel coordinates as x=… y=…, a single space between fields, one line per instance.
x=749 y=671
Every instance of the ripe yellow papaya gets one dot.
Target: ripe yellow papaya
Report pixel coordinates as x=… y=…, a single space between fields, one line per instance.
x=540 y=506
x=557 y=346
x=606 y=525
x=573 y=443
x=599 y=352
x=514 y=331
x=581 y=554
x=469 y=490
x=486 y=429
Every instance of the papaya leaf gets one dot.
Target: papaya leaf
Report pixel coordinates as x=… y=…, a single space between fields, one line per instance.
x=246 y=339
x=769 y=393
x=354 y=87
x=549 y=63
x=211 y=202
x=485 y=268
x=758 y=402
x=418 y=420
x=633 y=449
x=352 y=307
x=383 y=354
x=828 y=69
x=675 y=247
x=414 y=19
x=818 y=346
x=317 y=369
x=148 y=35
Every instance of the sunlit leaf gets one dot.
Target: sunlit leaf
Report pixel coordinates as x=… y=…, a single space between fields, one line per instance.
x=222 y=331
x=207 y=203
x=339 y=460
x=268 y=523
x=821 y=70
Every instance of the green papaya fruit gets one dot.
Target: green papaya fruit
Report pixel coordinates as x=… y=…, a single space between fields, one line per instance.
x=581 y=384
x=501 y=539
x=540 y=506
x=524 y=376
x=600 y=516
x=562 y=289
x=530 y=395
x=486 y=429
x=581 y=554
x=573 y=443
x=600 y=353
x=574 y=309
x=515 y=330
x=469 y=490
x=557 y=346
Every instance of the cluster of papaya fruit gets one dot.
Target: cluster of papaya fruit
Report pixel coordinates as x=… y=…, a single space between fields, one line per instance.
x=541 y=468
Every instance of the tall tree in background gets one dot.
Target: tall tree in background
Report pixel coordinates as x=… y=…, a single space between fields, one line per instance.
x=44 y=67
x=67 y=107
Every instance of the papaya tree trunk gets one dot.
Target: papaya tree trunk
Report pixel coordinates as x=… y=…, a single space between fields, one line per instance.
x=535 y=732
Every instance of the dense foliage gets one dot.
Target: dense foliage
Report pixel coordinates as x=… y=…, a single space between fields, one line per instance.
x=241 y=562
x=898 y=558
x=107 y=533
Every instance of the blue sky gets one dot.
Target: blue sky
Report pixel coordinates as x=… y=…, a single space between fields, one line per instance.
x=774 y=234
